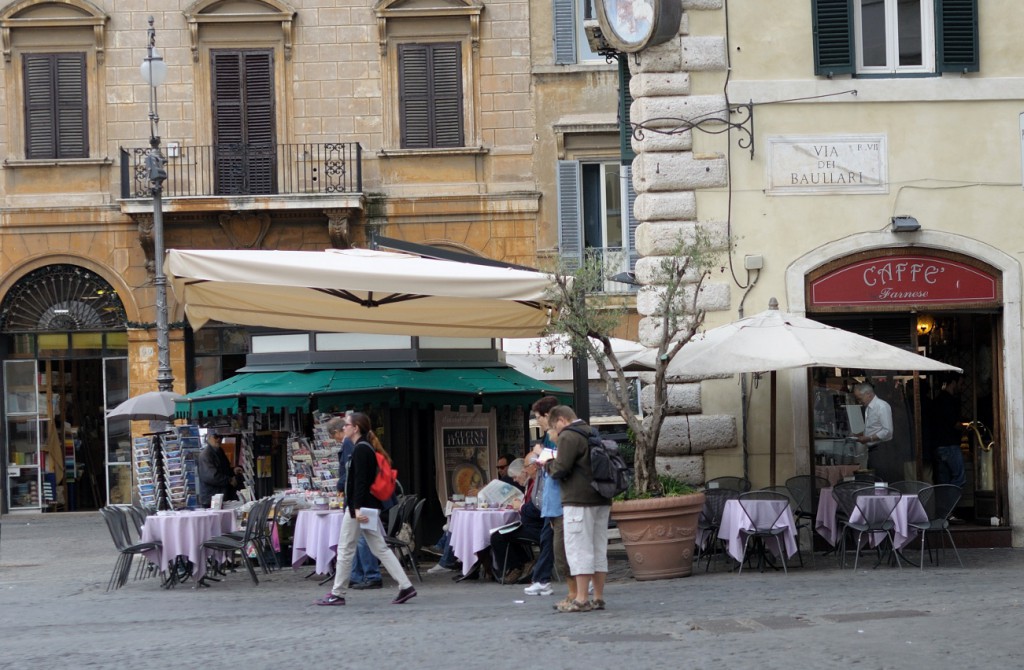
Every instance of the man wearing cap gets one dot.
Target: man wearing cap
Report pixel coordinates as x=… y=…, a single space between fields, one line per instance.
x=215 y=472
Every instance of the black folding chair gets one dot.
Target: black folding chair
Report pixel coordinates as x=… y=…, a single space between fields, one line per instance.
x=229 y=545
x=710 y=520
x=874 y=507
x=938 y=501
x=764 y=509
x=406 y=549
x=118 y=527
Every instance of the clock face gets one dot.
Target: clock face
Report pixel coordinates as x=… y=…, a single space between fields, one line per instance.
x=632 y=20
x=631 y=25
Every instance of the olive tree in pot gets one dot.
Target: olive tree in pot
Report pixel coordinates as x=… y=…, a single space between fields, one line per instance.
x=657 y=517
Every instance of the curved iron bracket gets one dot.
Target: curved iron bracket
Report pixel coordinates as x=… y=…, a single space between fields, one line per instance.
x=707 y=124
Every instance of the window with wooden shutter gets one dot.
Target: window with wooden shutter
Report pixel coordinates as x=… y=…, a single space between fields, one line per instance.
x=244 y=134
x=430 y=95
x=832 y=28
x=895 y=36
x=56 y=106
x=564 y=22
x=957 y=38
x=570 y=210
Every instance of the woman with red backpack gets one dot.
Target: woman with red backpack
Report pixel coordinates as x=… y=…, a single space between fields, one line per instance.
x=360 y=506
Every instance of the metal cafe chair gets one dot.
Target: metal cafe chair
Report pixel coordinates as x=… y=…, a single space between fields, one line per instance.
x=710 y=520
x=763 y=518
x=875 y=506
x=938 y=501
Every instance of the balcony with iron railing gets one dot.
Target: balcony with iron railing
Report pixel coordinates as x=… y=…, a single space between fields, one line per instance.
x=233 y=170
x=612 y=261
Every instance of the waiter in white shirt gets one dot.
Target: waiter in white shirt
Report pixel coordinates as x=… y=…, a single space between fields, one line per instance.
x=877 y=417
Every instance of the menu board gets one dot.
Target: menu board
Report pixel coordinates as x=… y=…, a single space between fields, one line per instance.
x=465 y=448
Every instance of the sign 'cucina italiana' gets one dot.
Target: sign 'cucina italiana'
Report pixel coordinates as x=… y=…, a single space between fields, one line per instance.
x=830 y=164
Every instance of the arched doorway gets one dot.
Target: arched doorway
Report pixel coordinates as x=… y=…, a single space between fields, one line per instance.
x=64 y=345
x=978 y=329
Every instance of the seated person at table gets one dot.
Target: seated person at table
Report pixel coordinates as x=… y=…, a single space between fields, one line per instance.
x=504 y=475
x=520 y=557
x=215 y=473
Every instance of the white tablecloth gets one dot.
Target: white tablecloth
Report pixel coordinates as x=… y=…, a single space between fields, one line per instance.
x=908 y=509
x=183 y=533
x=316 y=537
x=471 y=531
x=736 y=525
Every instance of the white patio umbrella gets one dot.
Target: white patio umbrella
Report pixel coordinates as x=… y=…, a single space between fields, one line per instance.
x=154 y=405
x=775 y=340
x=361 y=291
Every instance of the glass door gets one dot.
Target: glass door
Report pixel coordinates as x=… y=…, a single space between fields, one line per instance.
x=21 y=392
x=117 y=432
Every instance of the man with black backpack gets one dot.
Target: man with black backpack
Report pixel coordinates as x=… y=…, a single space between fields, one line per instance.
x=585 y=511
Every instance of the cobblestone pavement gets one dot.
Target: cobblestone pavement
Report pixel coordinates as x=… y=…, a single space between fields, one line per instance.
x=54 y=613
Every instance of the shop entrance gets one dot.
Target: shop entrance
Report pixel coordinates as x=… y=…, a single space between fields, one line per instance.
x=64 y=349
x=965 y=339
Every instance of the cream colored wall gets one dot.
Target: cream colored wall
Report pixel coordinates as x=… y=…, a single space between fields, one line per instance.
x=953 y=158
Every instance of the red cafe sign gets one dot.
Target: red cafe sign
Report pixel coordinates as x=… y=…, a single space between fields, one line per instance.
x=903 y=280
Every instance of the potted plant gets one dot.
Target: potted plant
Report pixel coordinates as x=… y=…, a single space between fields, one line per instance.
x=655 y=509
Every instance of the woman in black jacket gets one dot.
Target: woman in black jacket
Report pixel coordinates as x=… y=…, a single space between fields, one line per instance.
x=362 y=470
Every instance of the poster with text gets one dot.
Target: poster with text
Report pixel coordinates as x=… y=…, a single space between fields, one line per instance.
x=465 y=450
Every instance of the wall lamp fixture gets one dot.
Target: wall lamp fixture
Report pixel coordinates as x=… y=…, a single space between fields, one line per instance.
x=905 y=224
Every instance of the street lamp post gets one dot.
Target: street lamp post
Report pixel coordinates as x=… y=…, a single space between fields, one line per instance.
x=154 y=73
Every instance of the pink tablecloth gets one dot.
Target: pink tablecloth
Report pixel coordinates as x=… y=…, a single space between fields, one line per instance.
x=183 y=533
x=471 y=531
x=907 y=509
x=316 y=537
x=736 y=524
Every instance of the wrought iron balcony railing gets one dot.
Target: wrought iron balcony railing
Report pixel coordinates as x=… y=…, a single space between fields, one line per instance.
x=613 y=261
x=240 y=169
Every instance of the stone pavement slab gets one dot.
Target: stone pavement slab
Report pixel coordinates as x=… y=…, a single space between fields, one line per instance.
x=54 y=613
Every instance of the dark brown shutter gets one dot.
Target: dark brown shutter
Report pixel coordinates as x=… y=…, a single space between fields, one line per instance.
x=243 y=122
x=430 y=95
x=56 y=106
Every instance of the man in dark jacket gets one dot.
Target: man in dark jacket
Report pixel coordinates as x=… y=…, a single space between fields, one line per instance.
x=948 y=431
x=584 y=510
x=215 y=472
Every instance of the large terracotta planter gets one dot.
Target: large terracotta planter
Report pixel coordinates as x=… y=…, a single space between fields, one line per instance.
x=659 y=534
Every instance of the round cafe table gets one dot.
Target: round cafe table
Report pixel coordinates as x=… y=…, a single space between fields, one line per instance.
x=182 y=533
x=316 y=537
x=471 y=531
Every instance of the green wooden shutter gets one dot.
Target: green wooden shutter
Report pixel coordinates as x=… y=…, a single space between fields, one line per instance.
x=633 y=223
x=564 y=31
x=832 y=29
x=56 y=106
x=430 y=95
x=570 y=224
x=243 y=122
x=956 y=36
x=625 y=100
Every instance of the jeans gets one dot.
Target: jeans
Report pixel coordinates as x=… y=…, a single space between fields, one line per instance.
x=365 y=567
x=951 y=466
x=546 y=557
x=448 y=559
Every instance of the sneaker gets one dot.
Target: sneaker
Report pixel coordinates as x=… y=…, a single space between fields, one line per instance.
x=331 y=599
x=590 y=590
x=597 y=604
x=404 y=596
x=437 y=569
x=369 y=584
x=538 y=589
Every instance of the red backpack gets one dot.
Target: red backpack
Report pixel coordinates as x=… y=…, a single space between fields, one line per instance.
x=383 y=486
